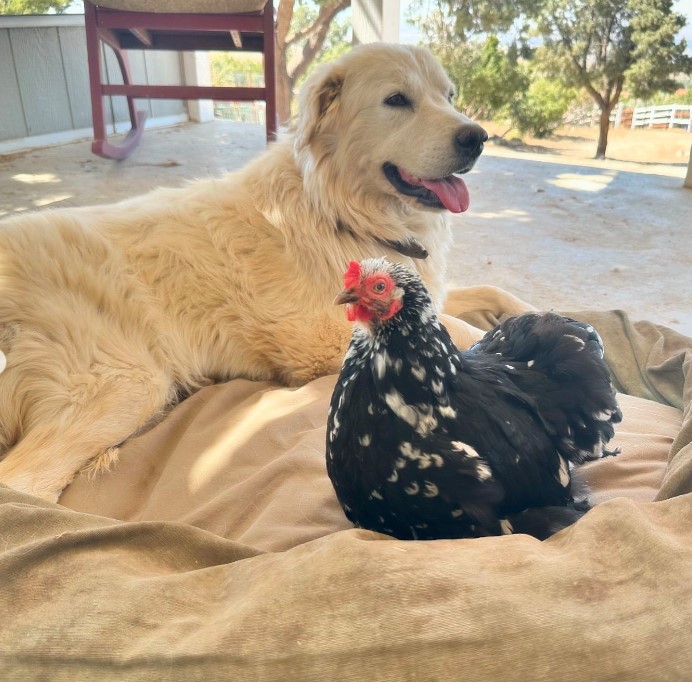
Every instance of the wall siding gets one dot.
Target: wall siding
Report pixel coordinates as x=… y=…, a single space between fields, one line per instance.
x=44 y=81
x=41 y=78
x=164 y=68
x=12 y=124
x=74 y=57
x=116 y=109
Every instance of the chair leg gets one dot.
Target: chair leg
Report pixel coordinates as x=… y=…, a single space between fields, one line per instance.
x=137 y=118
x=94 y=62
x=270 y=70
x=101 y=146
x=124 y=64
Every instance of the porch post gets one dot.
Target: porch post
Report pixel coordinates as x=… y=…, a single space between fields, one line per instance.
x=375 y=20
x=197 y=72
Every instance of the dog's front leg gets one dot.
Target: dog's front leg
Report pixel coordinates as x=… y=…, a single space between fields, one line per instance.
x=51 y=453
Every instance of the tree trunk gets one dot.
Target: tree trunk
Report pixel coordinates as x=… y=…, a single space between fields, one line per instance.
x=284 y=14
x=284 y=88
x=310 y=39
x=603 y=127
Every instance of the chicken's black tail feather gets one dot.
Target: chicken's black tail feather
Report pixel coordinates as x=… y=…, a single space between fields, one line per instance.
x=542 y=522
x=559 y=362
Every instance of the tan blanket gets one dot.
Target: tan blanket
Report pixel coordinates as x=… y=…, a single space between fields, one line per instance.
x=232 y=560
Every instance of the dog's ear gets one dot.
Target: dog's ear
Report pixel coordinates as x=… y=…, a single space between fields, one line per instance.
x=319 y=98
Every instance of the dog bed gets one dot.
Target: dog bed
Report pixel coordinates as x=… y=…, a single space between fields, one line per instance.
x=215 y=549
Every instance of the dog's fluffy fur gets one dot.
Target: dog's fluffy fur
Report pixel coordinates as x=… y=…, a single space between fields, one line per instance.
x=108 y=314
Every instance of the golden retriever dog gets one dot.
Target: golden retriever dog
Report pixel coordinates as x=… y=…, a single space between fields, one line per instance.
x=109 y=314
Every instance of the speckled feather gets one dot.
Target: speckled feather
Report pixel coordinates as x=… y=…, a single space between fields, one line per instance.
x=425 y=441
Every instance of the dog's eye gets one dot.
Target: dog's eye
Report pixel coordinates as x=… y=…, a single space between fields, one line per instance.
x=450 y=98
x=397 y=100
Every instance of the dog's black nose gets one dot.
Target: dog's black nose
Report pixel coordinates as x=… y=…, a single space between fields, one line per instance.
x=469 y=139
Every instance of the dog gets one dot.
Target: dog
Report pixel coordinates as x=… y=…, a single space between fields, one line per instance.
x=109 y=314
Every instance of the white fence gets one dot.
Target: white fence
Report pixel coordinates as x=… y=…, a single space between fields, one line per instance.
x=664 y=116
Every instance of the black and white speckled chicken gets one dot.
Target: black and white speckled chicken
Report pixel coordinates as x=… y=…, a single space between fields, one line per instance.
x=426 y=441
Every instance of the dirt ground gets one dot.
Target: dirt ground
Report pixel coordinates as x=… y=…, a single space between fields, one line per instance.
x=639 y=145
x=547 y=221
x=562 y=230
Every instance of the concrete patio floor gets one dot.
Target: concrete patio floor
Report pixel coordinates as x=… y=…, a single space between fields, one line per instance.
x=559 y=233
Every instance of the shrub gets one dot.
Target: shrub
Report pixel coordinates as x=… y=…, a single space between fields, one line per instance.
x=541 y=108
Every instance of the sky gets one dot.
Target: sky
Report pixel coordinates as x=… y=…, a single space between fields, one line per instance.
x=685 y=7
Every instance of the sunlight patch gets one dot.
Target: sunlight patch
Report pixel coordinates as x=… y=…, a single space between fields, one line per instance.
x=36 y=178
x=582 y=182
x=520 y=216
x=52 y=199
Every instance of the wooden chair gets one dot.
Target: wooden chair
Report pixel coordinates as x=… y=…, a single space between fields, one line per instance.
x=180 y=25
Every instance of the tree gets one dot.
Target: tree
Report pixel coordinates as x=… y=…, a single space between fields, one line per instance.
x=488 y=76
x=454 y=21
x=600 y=45
x=230 y=68
x=301 y=32
x=597 y=45
x=33 y=6
x=541 y=108
x=307 y=34
x=463 y=35
x=492 y=82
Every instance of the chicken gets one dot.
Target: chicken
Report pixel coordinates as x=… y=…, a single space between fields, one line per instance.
x=425 y=441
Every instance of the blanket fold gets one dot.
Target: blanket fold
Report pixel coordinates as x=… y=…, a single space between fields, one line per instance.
x=606 y=600
x=215 y=549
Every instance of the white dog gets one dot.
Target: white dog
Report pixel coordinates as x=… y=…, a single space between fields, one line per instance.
x=109 y=314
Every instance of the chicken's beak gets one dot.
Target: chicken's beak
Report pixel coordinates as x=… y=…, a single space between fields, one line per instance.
x=346 y=296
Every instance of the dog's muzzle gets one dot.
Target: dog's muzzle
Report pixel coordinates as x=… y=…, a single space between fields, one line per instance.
x=450 y=191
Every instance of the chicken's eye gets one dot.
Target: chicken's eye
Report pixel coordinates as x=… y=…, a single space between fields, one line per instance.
x=379 y=287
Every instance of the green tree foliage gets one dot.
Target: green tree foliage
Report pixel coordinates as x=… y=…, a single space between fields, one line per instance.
x=33 y=6
x=541 y=109
x=682 y=96
x=493 y=82
x=487 y=75
x=600 y=45
x=656 y=55
x=303 y=29
x=227 y=68
x=308 y=33
x=454 y=21
x=337 y=39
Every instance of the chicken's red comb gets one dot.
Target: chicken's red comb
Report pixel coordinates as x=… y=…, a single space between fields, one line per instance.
x=352 y=275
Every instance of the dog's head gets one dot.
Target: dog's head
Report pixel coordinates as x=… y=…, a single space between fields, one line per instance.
x=380 y=122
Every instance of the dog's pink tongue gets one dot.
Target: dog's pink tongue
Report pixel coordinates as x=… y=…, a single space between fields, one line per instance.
x=451 y=191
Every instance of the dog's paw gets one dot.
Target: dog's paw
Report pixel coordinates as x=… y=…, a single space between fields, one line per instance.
x=486 y=299
x=29 y=484
x=462 y=333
